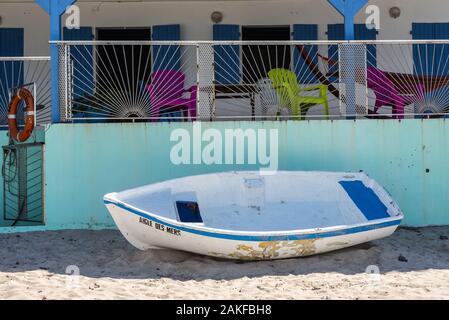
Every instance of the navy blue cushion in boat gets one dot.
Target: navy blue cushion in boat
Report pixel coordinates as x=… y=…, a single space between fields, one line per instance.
x=365 y=199
x=189 y=211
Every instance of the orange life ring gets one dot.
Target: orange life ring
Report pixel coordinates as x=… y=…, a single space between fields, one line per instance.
x=14 y=132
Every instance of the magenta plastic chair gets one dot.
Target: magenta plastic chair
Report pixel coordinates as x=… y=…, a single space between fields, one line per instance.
x=166 y=94
x=387 y=93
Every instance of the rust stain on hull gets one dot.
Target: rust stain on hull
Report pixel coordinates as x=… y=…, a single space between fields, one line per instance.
x=271 y=250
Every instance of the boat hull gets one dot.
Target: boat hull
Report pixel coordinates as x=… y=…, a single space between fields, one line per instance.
x=145 y=231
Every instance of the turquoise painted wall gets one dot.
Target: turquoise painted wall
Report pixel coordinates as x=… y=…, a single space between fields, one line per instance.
x=85 y=161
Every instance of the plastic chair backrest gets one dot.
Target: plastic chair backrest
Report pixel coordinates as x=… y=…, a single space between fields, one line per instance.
x=268 y=95
x=168 y=84
x=378 y=78
x=281 y=77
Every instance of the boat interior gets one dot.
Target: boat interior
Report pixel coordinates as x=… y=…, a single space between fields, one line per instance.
x=249 y=201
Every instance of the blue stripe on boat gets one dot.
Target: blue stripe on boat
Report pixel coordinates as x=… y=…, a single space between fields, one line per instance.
x=260 y=238
x=365 y=199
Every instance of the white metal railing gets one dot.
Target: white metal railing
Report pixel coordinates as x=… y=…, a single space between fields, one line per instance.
x=218 y=80
x=32 y=73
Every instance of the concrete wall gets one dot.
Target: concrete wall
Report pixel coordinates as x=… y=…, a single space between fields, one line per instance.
x=194 y=16
x=83 y=162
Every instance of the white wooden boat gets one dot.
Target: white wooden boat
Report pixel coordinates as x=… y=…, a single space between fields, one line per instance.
x=245 y=215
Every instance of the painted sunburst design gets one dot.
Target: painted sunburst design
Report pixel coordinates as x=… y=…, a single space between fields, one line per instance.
x=121 y=85
x=132 y=112
x=432 y=105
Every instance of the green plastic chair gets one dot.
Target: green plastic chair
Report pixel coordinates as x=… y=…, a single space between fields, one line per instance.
x=289 y=91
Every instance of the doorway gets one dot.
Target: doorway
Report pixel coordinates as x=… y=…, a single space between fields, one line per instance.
x=122 y=68
x=259 y=60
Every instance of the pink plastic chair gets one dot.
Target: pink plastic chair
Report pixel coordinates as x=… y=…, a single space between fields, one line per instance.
x=166 y=94
x=387 y=93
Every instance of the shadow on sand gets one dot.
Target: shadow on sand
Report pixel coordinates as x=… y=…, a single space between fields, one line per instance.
x=106 y=253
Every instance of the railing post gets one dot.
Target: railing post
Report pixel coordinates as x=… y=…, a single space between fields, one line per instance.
x=205 y=80
x=65 y=82
x=353 y=79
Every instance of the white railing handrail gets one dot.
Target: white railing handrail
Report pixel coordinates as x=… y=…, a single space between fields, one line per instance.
x=27 y=58
x=305 y=117
x=241 y=42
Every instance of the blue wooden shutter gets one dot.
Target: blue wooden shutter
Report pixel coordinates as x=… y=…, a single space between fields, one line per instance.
x=363 y=33
x=11 y=73
x=442 y=50
x=337 y=32
x=166 y=57
x=334 y=32
x=423 y=31
x=227 y=58
x=11 y=44
x=83 y=79
x=442 y=31
x=305 y=32
x=431 y=59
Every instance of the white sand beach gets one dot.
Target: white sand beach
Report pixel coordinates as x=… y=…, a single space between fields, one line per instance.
x=34 y=266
